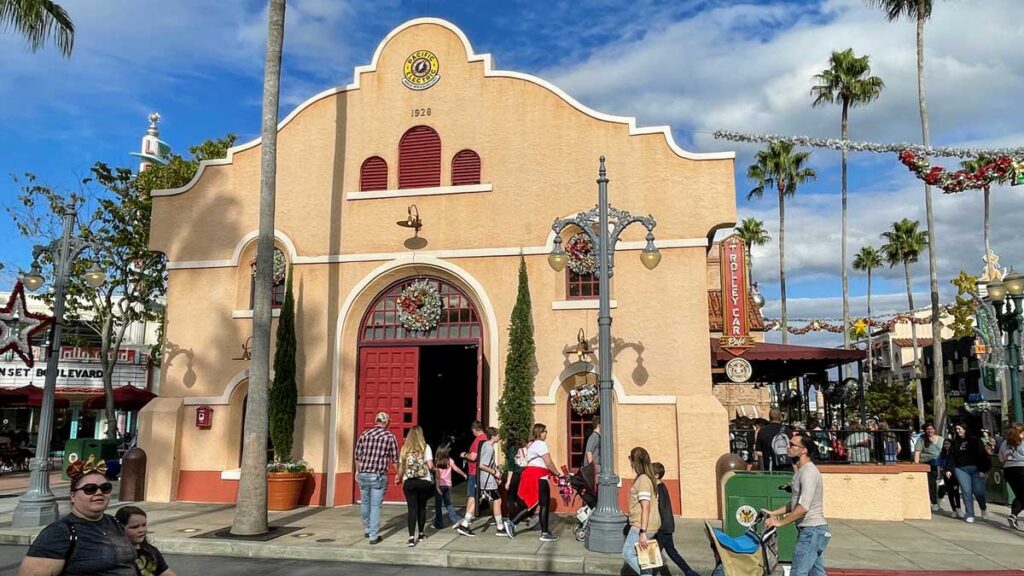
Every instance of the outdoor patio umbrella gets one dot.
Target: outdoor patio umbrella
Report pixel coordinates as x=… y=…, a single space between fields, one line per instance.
x=126 y=397
x=12 y=398
x=35 y=397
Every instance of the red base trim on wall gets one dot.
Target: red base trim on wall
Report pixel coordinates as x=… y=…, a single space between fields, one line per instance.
x=207 y=486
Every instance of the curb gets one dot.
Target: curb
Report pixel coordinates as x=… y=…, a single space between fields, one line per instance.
x=576 y=564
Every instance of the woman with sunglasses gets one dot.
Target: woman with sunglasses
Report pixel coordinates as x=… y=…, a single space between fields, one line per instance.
x=86 y=541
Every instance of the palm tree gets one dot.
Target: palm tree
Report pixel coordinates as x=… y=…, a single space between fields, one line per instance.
x=973 y=165
x=784 y=169
x=251 y=511
x=904 y=244
x=920 y=11
x=848 y=82
x=867 y=260
x=38 y=21
x=752 y=231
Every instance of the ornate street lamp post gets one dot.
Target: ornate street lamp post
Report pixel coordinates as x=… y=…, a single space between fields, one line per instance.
x=1007 y=298
x=38 y=506
x=603 y=224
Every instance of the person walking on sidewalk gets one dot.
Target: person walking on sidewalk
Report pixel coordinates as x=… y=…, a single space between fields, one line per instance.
x=668 y=523
x=443 y=468
x=472 y=482
x=376 y=450
x=644 y=518
x=950 y=487
x=489 y=474
x=1011 y=454
x=534 y=487
x=415 y=471
x=971 y=463
x=927 y=451
x=806 y=509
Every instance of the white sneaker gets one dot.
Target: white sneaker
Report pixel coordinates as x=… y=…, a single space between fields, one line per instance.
x=969 y=520
x=956 y=513
x=984 y=514
x=935 y=508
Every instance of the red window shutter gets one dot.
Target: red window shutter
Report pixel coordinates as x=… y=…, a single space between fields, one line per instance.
x=466 y=168
x=419 y=158
x=373 y=175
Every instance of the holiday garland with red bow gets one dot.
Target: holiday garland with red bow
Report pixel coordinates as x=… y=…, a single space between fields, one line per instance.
x=999 y=169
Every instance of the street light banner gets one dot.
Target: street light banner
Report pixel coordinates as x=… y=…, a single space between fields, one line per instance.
x=735 y=320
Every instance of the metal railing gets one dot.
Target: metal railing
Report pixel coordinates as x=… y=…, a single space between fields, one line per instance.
x=840 y=446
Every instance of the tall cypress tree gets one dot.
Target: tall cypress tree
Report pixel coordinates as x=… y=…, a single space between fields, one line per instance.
x=283 y=391
x=515 y=407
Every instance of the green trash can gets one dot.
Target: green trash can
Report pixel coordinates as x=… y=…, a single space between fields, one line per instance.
x=746 y=493
x=997 y=491
x=82 y=448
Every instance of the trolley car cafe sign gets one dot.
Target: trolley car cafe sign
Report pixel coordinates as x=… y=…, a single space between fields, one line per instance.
x=735 y=328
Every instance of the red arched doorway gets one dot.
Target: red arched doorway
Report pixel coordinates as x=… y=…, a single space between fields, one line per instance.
x=433 y=379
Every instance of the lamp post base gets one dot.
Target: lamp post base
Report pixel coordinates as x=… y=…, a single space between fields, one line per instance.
x=32 y=512
x=604 y=532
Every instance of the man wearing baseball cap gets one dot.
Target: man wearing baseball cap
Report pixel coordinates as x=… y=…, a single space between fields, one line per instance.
x=376 y=451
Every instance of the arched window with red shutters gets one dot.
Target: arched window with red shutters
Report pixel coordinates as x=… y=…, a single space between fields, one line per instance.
x=419 y=158
x=466 y=168
x=373 y=175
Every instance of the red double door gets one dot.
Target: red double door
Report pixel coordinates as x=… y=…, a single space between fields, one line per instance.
x=389 y=382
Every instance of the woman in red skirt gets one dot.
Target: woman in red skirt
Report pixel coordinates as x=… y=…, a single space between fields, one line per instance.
x=534 y=489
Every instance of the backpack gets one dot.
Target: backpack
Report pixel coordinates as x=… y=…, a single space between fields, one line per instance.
x=780 y=450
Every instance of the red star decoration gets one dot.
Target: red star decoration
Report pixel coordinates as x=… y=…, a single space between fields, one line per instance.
x=18 y=326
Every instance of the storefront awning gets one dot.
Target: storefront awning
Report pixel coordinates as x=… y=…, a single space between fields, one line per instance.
x=127 y=397
x=779 y=362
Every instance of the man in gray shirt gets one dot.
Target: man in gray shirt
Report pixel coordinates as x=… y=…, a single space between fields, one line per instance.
x=806 y=509
x=592 y=452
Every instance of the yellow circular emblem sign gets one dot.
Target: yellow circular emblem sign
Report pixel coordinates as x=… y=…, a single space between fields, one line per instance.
x=421 y=70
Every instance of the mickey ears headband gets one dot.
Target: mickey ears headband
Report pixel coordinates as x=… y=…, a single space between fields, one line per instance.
x=80 y=468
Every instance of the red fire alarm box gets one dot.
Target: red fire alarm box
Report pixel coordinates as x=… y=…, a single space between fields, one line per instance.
x=204 y=417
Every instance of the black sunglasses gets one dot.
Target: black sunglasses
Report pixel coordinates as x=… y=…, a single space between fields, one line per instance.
x=91 y=489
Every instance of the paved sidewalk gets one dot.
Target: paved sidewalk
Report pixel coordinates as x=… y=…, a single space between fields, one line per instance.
x=335 y=534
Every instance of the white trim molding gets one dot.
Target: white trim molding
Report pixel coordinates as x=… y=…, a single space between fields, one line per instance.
x=451 y=254
x=590 y=304
x=620 y=394
x=489 y=72
x=233 y=474
x=406 y=192
x=276 y=312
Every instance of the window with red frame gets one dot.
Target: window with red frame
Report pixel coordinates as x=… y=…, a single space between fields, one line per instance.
x=373 y=174
x=276 y=292
x=419 y=158
x=581 y=286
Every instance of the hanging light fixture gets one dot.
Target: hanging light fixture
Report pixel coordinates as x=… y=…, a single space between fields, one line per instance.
x=95 y=276
x=557 y=258
x=412 y=220
x=650 y=256
x=34 y=279
x=582 y=346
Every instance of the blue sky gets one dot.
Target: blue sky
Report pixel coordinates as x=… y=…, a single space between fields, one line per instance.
x=696 y=66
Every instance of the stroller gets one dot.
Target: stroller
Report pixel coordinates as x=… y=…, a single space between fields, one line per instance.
x=754 y=553
x=584 y=484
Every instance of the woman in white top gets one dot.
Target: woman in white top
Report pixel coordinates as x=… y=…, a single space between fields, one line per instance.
x=534 y=489
x=415 y=472
x=1011 y=454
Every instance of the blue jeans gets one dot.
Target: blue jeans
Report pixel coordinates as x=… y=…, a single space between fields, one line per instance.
x=971 y=483
x=629 y=550
x=443 y=499
x=371 y=496
x=808 y=555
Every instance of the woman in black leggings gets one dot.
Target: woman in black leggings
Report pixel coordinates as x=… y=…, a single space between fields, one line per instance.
x=534 y=487
x=415 y=470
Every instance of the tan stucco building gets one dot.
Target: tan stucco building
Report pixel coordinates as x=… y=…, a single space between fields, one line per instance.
x=490 y=158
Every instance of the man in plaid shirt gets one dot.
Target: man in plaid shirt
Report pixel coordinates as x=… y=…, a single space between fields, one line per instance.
x=376 y=451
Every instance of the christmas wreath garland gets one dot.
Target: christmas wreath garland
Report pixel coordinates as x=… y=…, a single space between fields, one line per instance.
x=999 y=169
x=280 y=267
x=419 y=306
x=580 y=249
x=585 y=399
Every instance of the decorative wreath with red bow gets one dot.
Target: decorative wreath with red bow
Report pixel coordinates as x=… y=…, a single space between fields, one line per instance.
x=580 y=250
x=419 y=306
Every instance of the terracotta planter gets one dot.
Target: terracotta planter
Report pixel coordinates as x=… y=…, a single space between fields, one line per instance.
x=284 y=489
